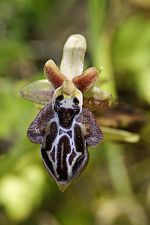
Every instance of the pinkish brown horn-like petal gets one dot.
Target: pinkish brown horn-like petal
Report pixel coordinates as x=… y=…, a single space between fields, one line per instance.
x=53 y=74
x=84 y=81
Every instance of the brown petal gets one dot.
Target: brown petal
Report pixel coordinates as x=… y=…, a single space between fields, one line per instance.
x=86 y=79
x=53 y=74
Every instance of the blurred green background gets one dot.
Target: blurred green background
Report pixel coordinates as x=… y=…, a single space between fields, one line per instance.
x=115 y=187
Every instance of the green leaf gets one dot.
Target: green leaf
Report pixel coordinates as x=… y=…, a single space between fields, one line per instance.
x=113 y=134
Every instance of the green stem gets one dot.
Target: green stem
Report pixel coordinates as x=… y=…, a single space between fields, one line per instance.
x=117 y=169
x=100 y=43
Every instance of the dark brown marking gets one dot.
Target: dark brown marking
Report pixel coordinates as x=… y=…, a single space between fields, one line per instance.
x=61 y=132
x=52 y=154
x=78 y=164
x=60 y=98
x=71 y=157
x=47 y=162
x=79 y=139
x=69 y=133
x=62 y=151
x=48 y=146
x=75 y=101
x=51 y=137
x=66 y=116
